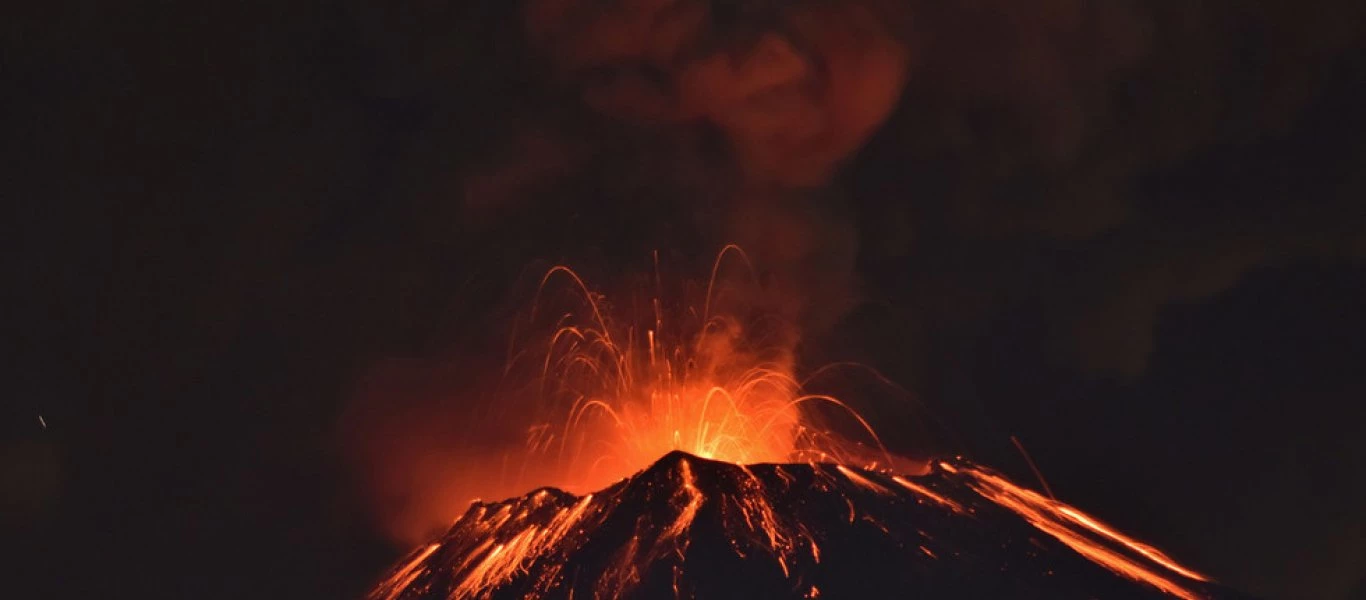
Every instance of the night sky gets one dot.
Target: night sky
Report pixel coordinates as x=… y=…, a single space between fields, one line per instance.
x=1132 y=236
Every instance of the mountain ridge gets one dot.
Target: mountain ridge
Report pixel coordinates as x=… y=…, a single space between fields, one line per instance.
x=691 y=527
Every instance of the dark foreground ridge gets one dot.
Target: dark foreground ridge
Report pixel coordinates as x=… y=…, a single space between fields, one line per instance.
x=688 y=527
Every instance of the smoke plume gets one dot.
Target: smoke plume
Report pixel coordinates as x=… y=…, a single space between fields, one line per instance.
x=981 y=156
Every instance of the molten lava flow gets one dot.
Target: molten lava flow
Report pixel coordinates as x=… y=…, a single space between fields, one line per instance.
x=615 y=397
x=398 y=582
x=1078 y=531
x=691 y=527
x=751 y=497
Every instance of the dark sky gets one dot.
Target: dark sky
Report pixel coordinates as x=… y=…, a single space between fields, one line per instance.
x=1130 y=235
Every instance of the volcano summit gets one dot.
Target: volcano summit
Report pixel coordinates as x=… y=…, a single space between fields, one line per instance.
x=688 y=527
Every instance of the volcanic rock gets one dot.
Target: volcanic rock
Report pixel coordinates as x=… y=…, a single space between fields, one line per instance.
x=688 y=527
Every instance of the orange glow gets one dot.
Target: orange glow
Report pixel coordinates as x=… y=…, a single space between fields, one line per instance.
x=527 y=542
x=608 y=399
x=1060 y=521
x=690 y=507
x=860 y=480
x=510 y=557
x=616 y=396
x=925 y=492
x=1150 y=552
x=398 y=583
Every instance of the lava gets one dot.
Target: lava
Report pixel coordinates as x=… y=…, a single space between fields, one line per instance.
x=752 y=498
x=1074 y=528
x=691 y=527
x=613 y=396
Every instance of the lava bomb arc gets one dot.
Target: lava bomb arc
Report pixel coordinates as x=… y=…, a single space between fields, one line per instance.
x=755 y=496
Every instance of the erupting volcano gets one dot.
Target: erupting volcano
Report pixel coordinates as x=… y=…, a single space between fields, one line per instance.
x=755 y=496
x=688 y=527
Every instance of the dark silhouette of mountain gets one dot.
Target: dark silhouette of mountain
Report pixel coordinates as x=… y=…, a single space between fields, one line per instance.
x=688 y=527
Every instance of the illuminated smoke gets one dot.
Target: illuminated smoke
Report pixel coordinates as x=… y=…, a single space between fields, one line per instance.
x=794 y=88
x=792 y=92
x=592 y=391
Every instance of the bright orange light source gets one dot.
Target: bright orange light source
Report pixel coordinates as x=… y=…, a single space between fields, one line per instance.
x=622 y=395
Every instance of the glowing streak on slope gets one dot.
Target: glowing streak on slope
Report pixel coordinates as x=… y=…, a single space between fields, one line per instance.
x=926 y=492
x=401 y=579
x=755 y=508
x=1053 y=517
x=534 y=537
x=694 y=503
x=1150 y=552
x=815 y=548
x=862 y=481
x=512 y=556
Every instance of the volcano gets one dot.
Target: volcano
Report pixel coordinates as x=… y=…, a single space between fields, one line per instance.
x=688 y=527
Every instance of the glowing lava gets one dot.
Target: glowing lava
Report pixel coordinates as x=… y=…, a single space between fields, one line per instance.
x=751 y=499
x=691 y=527
x=615 y=397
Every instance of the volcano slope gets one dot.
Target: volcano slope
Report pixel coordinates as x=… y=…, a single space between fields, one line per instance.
x=688 y=527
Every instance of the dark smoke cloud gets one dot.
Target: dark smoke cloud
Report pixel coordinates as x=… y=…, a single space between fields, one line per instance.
x=1095 y=163
x=1069 y=127
x=1019 y=126
x=1034 y=155
x=692 y=129
x=231 y=218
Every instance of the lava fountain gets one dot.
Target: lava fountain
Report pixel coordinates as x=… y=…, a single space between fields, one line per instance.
x=701 y=378
x=753 y=496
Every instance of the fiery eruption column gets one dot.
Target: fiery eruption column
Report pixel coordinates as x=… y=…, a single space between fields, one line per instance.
x=620 y=396
x=747 y=476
